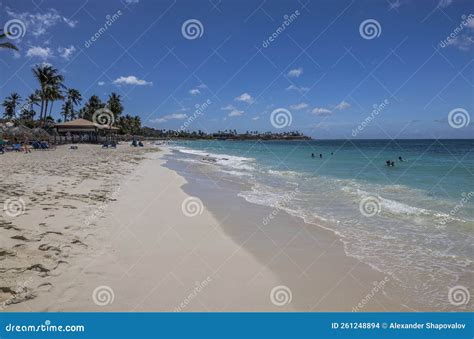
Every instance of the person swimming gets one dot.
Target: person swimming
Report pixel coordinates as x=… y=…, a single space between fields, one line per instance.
x=392 y=164
x=388 y=163
x=312 y=155
x=400 y=158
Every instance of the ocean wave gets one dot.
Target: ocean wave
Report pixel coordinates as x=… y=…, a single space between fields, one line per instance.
x=291 y=174
x=227 y=160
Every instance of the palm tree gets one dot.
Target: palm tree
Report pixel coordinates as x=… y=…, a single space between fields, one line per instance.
x=10 y=103
x=91 y=106
x=115 y=105
x=7 y=45
x=33 y=100
x=74 y=97
x=27 y=110
x=66 y=110
x=48 y=77
x=53 y=94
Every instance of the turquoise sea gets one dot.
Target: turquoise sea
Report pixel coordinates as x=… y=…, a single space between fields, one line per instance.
x=413 y=221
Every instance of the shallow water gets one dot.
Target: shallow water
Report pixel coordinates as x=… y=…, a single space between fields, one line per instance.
x=413 y=221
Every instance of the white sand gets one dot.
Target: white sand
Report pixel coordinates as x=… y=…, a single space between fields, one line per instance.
x=149 y=254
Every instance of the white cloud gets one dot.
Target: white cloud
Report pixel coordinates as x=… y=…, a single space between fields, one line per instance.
x=236 y=113
x=233 y=111
x=174 y=116
x=462 y=42
x=255 y=118
x=295 y=73
x=39 y=23
x=202 y=86
x=342 y=105
x=40 y=52
x=101 y=83
x=128 y=2
x=66 y=52
x=321 y=111
x=245 y=97
x=299 y=106
x=131 y=80
x=298 y=89
x=194 y=91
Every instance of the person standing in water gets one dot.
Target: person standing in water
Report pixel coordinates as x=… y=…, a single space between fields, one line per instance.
x=320 y=156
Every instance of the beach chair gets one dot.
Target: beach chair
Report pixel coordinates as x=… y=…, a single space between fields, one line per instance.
x=36 y=145
x=105 y=145
x=16 y=147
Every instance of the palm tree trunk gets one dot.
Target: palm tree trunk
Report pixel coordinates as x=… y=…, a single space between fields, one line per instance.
x=51 y=108
x=41 y=110
x=45 y=110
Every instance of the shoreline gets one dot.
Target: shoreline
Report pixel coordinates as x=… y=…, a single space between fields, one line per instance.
x=142 y=253
x=306 y=257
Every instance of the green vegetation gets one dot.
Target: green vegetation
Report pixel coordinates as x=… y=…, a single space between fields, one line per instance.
x=38 y=108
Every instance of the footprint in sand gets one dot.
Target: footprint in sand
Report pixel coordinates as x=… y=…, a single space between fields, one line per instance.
x=22 y=238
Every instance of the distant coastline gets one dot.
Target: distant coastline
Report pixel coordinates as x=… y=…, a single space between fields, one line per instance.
x=151 y=133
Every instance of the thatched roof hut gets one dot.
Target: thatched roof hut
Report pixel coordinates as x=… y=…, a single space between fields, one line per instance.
x=40 y=134
x=16 y=132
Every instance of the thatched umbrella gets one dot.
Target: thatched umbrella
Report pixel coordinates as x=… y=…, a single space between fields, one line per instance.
x=19 y=132
x=40 y=134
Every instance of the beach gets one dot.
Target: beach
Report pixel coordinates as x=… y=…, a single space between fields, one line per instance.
x=118 y=230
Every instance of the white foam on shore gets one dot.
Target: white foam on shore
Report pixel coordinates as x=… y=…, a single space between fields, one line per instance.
x=231 y=161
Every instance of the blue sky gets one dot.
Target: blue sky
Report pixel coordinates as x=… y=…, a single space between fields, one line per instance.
x=321 y=68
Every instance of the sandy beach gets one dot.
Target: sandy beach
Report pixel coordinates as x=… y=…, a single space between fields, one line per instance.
x=116 y=230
